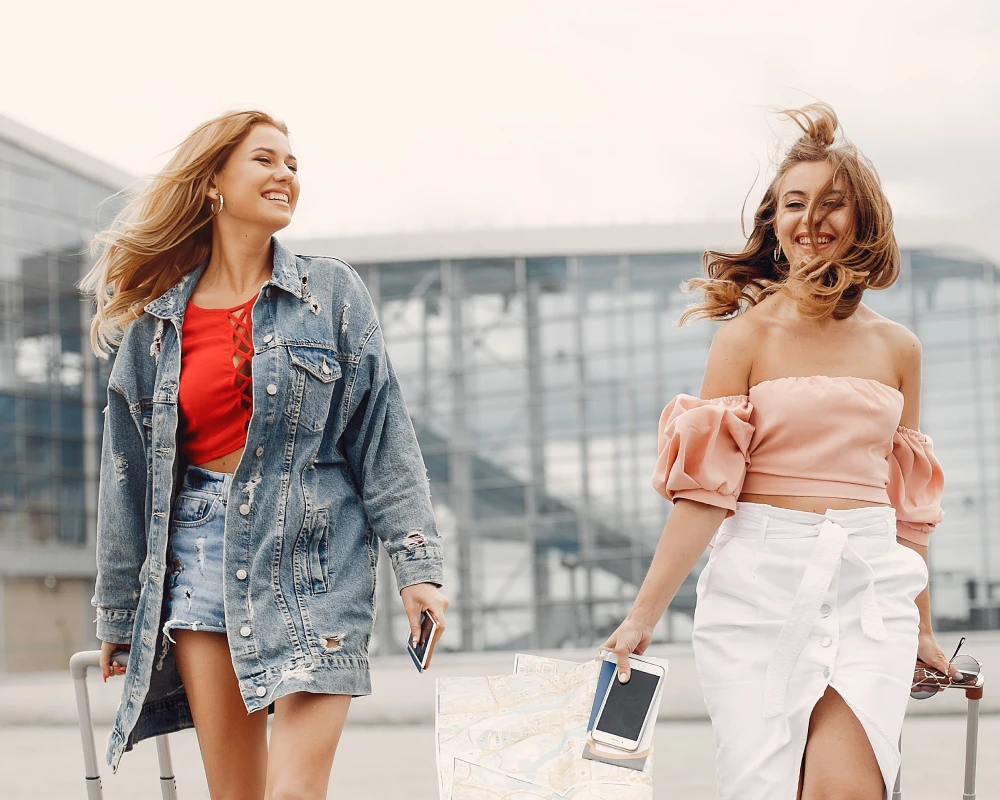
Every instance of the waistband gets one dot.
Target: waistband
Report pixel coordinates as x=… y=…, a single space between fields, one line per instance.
x=207 y=480
x=757 y=519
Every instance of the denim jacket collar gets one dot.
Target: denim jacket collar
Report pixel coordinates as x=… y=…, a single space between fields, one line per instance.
x=172 y=303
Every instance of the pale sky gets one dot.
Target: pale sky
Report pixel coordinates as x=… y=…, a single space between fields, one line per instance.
x=414 y=116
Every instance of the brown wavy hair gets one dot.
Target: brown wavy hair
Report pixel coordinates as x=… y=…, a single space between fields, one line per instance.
x=822 y=286
x=165 y=231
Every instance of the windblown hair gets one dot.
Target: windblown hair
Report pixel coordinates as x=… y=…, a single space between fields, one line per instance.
x=822 y=286
x=164 y=232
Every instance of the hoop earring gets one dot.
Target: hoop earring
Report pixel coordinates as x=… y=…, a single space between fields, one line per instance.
x=777 y=252
x=222 y=202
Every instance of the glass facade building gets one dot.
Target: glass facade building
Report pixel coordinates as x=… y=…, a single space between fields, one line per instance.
x=535 y=384
x=535 y=365
x=52 y=199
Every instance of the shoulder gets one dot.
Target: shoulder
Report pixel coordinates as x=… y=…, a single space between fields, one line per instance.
x=899 y=341
x=337 y=274
x=134 y=359
x=731 y=356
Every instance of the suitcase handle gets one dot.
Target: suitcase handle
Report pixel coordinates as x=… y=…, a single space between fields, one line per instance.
x=79 y=664
x=973 y=695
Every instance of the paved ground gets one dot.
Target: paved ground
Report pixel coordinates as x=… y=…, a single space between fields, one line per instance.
x=390 y=762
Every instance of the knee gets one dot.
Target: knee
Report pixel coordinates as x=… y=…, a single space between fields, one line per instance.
x=289 y=790
x=844 y=789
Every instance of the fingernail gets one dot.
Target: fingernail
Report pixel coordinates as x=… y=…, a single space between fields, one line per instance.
x=105 y=676
x=622 y=677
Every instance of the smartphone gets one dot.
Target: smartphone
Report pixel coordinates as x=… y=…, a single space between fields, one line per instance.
x=626 y=707
x=421 y=654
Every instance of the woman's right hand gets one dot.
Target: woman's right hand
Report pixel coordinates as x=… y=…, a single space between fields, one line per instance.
x=630 y=637
x=108 y=668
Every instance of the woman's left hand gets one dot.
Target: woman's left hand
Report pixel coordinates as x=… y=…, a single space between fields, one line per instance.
x=422 y=597
x=932 y=655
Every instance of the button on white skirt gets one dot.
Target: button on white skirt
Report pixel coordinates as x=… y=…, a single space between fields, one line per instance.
x=792 y=602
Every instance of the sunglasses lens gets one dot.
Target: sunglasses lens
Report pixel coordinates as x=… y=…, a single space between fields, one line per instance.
x=968 y=670
x=925 y=684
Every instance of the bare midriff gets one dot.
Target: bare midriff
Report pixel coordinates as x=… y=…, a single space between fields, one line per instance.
x=230 y=461
x=816 y=505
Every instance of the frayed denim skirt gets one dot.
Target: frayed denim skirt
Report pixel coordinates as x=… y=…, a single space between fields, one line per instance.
x=197 y=533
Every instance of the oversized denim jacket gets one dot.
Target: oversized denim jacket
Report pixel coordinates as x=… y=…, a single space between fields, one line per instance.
x=331 y=463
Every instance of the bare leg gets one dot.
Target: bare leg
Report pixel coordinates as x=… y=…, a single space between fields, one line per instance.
x=839 y=760
x=233 y=743
x=304 y=737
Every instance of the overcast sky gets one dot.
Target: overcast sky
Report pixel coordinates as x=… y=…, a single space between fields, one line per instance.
x=413 y=116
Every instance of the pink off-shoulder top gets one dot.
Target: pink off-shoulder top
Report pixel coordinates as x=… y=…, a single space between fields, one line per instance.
x=816 y=436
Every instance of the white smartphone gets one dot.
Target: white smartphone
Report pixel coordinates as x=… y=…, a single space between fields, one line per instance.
x=421 y=654
x=626 y=707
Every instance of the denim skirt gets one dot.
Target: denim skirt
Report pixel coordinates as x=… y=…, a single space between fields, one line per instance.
x=789 y=604
x=197 y=533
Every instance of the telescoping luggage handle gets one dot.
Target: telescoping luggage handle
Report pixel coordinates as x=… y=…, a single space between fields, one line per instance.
x=974 y=695
x=78 y=666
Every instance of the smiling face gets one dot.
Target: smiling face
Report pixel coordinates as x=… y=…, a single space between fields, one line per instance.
x=259 y=182
x=801 y=193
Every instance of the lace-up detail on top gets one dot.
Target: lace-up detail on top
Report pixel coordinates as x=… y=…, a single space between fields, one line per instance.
x=240 y=319
x=216 y=384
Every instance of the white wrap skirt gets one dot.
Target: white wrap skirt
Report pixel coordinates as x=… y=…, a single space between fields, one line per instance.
x=792 y=602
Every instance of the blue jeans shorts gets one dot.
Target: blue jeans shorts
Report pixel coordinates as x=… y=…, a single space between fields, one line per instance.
x=197 y=532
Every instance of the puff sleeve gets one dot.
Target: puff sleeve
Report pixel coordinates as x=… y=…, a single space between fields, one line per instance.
x=916 y=483
x=704 y=449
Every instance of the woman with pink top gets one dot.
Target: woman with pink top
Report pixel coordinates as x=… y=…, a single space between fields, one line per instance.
x=802 y=463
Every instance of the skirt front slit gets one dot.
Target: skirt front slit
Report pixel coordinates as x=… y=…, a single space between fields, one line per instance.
x=790 y=603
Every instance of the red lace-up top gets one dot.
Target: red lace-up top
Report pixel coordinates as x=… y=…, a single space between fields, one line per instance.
x=216 y=391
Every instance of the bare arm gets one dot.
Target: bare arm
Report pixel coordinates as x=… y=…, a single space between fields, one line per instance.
x=687 y=533
x=690 y=525
x=908 y=353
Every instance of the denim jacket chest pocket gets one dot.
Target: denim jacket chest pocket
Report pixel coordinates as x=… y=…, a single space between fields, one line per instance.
x=315 y=376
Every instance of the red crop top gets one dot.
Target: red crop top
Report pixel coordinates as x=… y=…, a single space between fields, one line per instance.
x=215 y=393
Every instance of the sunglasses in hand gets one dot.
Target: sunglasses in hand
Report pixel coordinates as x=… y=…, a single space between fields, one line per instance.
x=928 y=681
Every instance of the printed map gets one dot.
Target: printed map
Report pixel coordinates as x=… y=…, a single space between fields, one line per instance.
x=521 y=737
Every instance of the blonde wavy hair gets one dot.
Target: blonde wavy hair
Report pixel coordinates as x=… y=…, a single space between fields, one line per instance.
x=823 y=286
x=164 y=232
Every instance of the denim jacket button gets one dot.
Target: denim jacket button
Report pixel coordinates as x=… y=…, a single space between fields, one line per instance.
x=244 y=509
x=241 y=574
x=272 y=389
x=245 y=630
x=268 y=338
x=261 y=691
x=259 y=451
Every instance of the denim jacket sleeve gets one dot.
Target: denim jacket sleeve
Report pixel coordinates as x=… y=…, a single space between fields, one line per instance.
x=382 y=449
x=121 y=526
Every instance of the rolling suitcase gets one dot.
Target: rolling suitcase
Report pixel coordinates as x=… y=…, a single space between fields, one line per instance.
x=78 y=666
x=974 y=695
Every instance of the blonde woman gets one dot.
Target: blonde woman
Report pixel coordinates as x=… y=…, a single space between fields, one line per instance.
x=256 y=449
x=803 y=460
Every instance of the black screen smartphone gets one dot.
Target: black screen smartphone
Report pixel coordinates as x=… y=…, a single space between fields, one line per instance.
x=624 y=713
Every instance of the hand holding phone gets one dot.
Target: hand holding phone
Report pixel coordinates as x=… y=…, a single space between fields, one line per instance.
x=626 y=708
x=422 y=651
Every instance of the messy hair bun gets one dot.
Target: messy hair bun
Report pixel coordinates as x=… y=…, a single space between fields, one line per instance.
x=824 y=286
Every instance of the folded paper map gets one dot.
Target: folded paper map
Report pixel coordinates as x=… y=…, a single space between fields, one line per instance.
x=523 y=736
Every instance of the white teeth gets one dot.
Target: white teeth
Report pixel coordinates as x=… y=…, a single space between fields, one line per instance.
x=274 y=196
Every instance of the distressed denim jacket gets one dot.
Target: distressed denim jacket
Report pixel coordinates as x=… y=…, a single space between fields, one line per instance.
x=331 y=462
